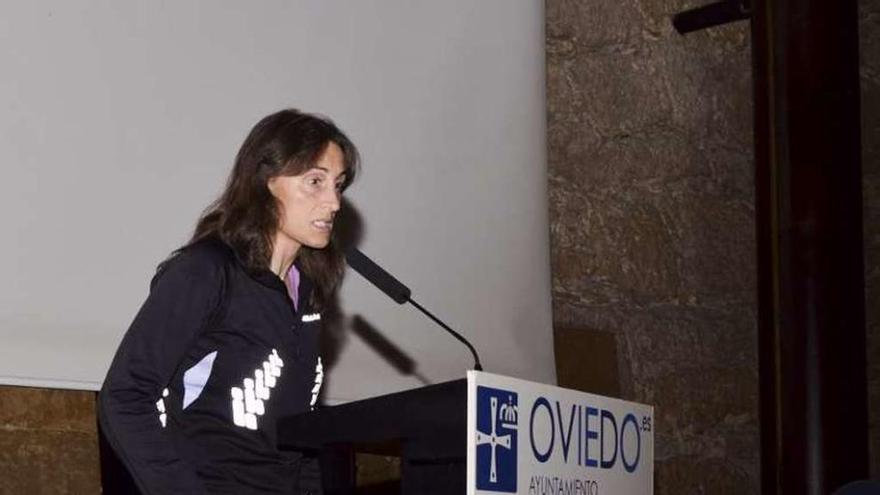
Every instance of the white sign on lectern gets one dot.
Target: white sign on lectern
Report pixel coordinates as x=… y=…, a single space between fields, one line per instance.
x=533 y=439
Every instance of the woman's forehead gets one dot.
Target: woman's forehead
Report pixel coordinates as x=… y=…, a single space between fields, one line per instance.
x=331 y=160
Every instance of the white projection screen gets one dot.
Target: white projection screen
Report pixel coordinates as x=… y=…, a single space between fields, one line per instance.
x=119 y=121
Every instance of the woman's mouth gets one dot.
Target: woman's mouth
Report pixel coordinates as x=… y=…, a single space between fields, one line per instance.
x=324 y=225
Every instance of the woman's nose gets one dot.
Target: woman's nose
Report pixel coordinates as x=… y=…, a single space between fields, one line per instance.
x=334 y=199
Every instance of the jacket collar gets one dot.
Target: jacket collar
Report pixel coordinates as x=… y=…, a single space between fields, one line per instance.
x=265 y=276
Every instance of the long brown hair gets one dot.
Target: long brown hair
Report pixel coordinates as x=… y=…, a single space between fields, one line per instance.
x=246 y=215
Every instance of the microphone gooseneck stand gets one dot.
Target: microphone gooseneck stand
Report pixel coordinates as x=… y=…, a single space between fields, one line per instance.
x=400 y=293
x=477 y=365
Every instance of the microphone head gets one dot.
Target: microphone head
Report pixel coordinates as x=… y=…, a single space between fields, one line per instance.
x=377 y=276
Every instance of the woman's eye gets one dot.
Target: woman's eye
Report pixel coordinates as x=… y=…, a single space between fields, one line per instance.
x=340 y=186
x=313 y=181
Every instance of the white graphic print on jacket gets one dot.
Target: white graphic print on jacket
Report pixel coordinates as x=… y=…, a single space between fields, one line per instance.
x=319 y=379
x=160 y=406
x=248 y=403
x=311 y=317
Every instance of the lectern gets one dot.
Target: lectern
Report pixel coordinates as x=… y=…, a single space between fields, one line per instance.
x=425 y=427
x=489 y=435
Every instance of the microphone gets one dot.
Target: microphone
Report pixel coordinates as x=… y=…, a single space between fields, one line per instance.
x=377 y=276
x=401 y=294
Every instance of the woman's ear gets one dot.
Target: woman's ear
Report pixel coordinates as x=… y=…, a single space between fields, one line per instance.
x=272 y=185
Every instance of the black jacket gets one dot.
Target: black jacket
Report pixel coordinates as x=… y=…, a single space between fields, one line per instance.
x=214 y=357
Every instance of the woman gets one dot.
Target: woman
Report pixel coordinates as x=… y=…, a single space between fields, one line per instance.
x=227 y=341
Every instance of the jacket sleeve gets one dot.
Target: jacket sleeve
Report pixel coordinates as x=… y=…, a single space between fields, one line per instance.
x=183 y=296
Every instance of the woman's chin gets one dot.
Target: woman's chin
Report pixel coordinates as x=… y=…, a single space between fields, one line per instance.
x=318 y=243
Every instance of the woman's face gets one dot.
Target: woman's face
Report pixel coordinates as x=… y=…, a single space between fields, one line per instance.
x=309 y=201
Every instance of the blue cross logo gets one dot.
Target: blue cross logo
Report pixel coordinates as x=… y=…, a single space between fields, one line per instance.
x=497 y=420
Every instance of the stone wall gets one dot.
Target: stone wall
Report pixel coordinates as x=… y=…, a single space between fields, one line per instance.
x=651 y=208
x=652 y=222
x=48 y=442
